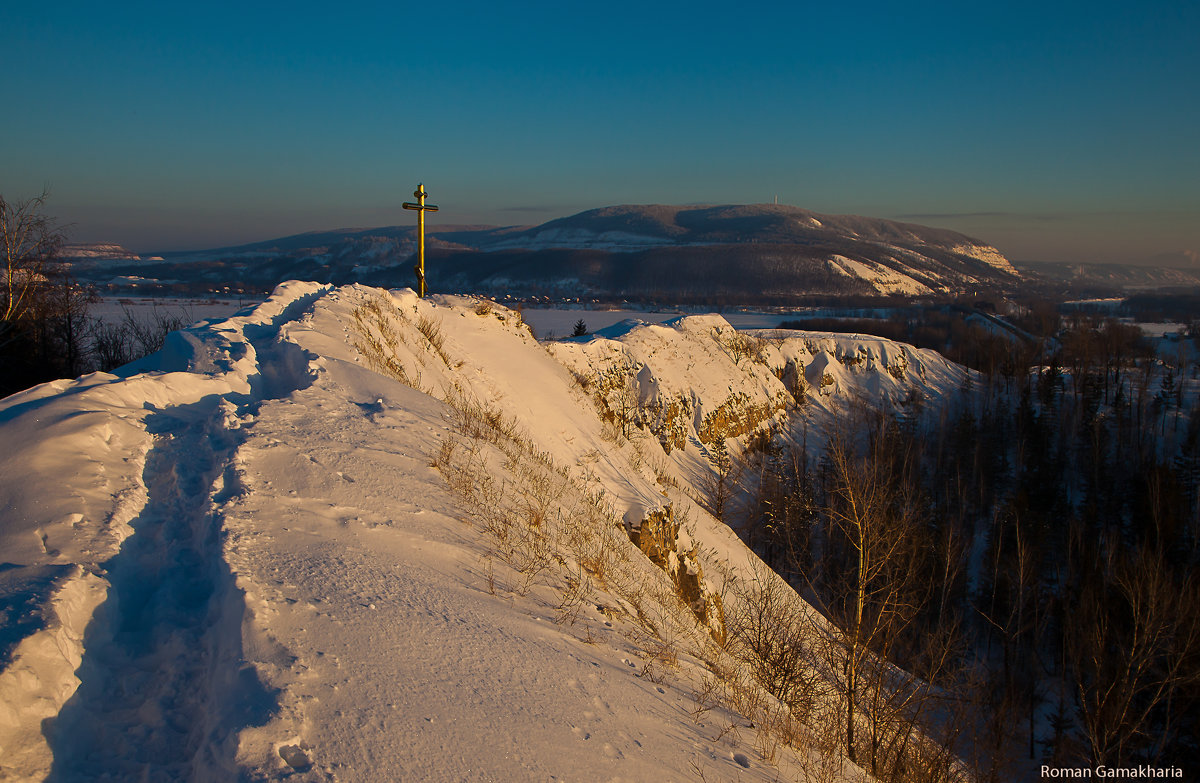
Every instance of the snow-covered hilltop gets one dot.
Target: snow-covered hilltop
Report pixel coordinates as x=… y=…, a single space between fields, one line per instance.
x=354 y=535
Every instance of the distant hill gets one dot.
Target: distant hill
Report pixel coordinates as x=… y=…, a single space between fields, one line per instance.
x=746 y=251
x=759 y=249
x=1116 y=277
x=98 y=250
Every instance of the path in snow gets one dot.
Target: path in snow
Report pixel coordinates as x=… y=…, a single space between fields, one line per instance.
x=164 y=690
x=161 y=688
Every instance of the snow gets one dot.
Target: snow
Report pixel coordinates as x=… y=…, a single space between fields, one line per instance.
x=258 y=554
x=988 y=255
x=147 y=309
x=884 y=280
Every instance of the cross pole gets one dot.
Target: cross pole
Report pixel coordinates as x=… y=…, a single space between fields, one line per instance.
x=421 y=207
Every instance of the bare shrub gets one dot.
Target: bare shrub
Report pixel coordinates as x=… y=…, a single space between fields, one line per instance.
x=745 y=346
x=707 y=696
x=432 y=329
x=132 y=337
x=150 y=334
x=574 y=594
x=662 y=473
x=110 y=346
x=379 y=341
x=660 y=656
x=770 y=631
x=583 y=379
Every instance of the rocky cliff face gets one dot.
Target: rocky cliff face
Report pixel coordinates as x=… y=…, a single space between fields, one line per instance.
x=698 y=380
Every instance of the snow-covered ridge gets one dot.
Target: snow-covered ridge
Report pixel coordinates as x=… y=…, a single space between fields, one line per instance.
x=221 y=560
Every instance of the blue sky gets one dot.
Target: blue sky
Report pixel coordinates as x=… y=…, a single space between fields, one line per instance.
x=1056 y=131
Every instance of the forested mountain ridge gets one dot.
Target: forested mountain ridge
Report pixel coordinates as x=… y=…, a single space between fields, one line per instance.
x=671 y=252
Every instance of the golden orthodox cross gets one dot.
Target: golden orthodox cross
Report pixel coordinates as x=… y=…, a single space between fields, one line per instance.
x=421 y=208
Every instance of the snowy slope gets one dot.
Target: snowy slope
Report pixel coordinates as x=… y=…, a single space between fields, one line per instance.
x=354 y=535
x=883 y=279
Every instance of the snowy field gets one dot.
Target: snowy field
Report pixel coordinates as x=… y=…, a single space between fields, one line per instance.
x=147 y=309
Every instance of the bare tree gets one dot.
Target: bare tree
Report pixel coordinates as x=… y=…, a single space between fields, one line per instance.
x=883 y=588
x=29 y=241
x=62 y=315
x=43 y=312
x=872 y=521
x=1134 y=641
x=719 y=487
